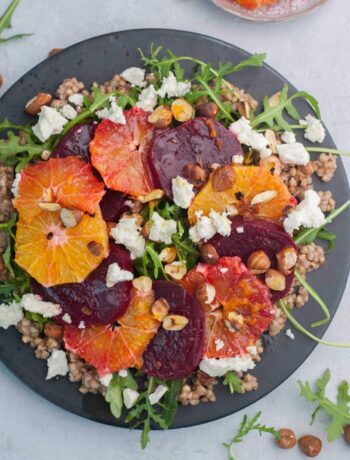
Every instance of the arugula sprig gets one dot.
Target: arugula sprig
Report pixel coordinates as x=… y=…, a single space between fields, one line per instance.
x=247 y=425
x=338 y=411
x=233 y=382
x=5 y=22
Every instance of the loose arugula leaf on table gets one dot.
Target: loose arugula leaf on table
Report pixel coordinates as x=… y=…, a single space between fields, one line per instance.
x=5 y=22
x=233 y=382
x=338 y=411
x=247 y=425
x=114 y=394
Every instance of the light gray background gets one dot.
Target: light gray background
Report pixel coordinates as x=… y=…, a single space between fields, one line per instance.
x=313 y=52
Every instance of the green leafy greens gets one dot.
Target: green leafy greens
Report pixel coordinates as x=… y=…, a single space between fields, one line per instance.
x=233 y=382
x=5 y=22
x=114 y=395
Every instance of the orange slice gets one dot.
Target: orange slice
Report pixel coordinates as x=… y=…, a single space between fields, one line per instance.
x=53 y=254
x=111 y=349
x=67 y=181
x=249 y=182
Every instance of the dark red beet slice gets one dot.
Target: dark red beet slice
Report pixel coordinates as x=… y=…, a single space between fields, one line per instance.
x=113 y=205
x=92 y=301
x=175 y=354
x=258 y=235
x=76 y=142
x=201 y=140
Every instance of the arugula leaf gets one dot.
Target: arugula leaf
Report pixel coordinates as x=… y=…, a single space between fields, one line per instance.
x=170 y=403
x=339 y=412
x=37 y=318
x=344 y=153
x=5 y=22
x=233 y=381
x=247 y=425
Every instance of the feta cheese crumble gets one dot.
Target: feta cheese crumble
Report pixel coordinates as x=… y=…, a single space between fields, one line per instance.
x=182 y=191
x=219 y=344
x=221 y=222
x=207 y=226
x=147 y=99
x=67 y=318
x=130 y=397
x=50 y=122
x=288 y=137
x=173 y=88
x=34 y=303
x=77 y=99
x=294 y=154
x=128 y=233
x=237 y=159
x=307 y=213
x=314 y=131
x=106 y=379
x=123 y=373
x=219 y=367
x=135 y=76
x=290 y=334
x=57 y=364
x=82 y=325
x=157 y=395
x=68 y=112
x=10 y=314
x=116 y=275
x=240 y=229
x=15 y=185
x=114 y=113
x=248 y=136
x=161 y=229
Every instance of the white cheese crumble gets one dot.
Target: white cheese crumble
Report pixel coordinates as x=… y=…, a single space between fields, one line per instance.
x=307 y=213
x=77 y=99
x=248 y=136
x=219 y=367
x=130 y=397
x=116 y=275
x=161 y=229
x=82 y=325
x=182 y=191
x=147 y=99
x=288 y=137
x=57 y=364
x=240 y=229
x=237 y=159
x=219 y=344
x=290 y=334
x=123 y=373
x=173 y=88
x=207 y=226
x=157 y=395
x=223 y=270
x=33 y=303
x=66 y=318
x=15 y=185
x=294 y=154
x=10 y=314
x=68 y=112
x=221 y=222
x=314 y=131
x=50 y=122
x=128 y=233
x=114 y=113
x=135 y=76
x=106 y=379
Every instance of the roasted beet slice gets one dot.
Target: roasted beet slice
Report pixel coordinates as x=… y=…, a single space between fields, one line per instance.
x=76 y=142
x=92 y=301
x=257 y=235
x=175 y=354
x=113 y=205
x=201 y=140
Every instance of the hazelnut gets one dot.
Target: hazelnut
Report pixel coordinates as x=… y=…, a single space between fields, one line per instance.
x=54 y=51
x=95 y=248
x=287 y=439
x=258 y=262
x=286 y=260
x=310 y=445
x=161 y=117
x=223 y=178
x=45 y=155
x=263 y=197
x=168 y=254
x=175 y=270
x=347 y=433
x=307 y=170
x=142 y=284
x=174 y=322
x=33 y=106
x=194 y=173
x=208 y=109
x=275 y=280
x=155 y=194
x=272 y=163
x=209 y=254
x=50 y=207
x=160 y=309
x=205 y=293
x=70 y=217
x=146 y=229
x=53 y=330
x=182 y=110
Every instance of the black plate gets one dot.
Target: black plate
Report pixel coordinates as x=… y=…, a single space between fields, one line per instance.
x=98 y=59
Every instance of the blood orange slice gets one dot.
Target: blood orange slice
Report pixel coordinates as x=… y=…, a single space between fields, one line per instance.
x=119 y=153
x=110 y=349
x=249 y=182
x=67 y=181
x=53 y=254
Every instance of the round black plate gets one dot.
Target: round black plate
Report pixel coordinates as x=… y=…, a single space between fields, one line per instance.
x=98 y=59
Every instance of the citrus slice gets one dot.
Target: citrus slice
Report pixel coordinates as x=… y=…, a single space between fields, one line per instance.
x=247 y=183
x=69 y=182
x=53 y=254
x=119 y=153
x=110 y=349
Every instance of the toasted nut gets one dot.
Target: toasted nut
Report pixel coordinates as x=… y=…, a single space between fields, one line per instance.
x=231 y=210
x=70 y=217
x=275 y=280
x=53 y=330
x=205 y=293
x=286 y=260
x=176 y=270
x=275 y=99
x=263 y=197
x=135 y=215
x=160 y=309
x=287 y=210
x=142 y=284
x=1 y=80
x=273 y=163
x=54 y=51
x=34 y=105
x=258 y=262
x=168 y=254
x=110 y=226
x=95 y=248
x=310 y=445
x=287 y=439
x=208 y=109
x=182 y=110
x=194 y=173
x=154 y=195
x=174 y=322
x=307 y=169
x=161 y=117
x=271 y=137
x=236 y=319
x=223 y=178
x=209 y=254
x=244 y=109
x=347 y=433
x=45 y=155
x=146 y=229
x=229 y=326
x=51 y=207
